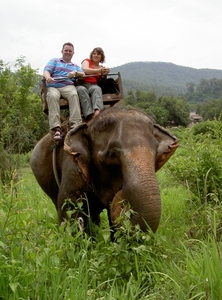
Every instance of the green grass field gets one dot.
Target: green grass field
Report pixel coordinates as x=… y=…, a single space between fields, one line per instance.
x=40 y=260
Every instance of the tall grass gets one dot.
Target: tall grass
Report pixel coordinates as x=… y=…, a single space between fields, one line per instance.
x=41 y=260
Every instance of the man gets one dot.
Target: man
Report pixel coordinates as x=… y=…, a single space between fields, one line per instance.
x=57 y=68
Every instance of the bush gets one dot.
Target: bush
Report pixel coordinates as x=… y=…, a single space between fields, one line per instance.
x=10 y=164
x=6 y=166
x=214 y=128
x=197 y=163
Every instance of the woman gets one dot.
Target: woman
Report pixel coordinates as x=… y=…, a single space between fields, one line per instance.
x=90 y=94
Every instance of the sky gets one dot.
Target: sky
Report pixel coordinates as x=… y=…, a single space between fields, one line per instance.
x=183 y=32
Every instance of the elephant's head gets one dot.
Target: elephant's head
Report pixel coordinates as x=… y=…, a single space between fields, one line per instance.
x=126 y=150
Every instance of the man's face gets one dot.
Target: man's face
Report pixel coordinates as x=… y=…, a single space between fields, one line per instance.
x=67 y=53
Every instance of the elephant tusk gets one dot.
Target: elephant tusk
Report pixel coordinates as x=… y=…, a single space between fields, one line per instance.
x=80 y=224
x=118 y=206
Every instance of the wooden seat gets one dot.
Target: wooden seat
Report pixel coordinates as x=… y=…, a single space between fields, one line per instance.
x=108 y=99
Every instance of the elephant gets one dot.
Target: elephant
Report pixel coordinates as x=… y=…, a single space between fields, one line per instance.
x=112 y=161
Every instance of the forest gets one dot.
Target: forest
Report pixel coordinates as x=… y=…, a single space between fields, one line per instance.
x=165 y=79
x=182 y=260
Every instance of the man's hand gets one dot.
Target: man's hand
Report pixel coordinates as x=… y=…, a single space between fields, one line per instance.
x=72 y=74
x=49 y=79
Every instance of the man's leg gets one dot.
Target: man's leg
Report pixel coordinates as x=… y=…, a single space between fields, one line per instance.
x=52 y=98
x=85 y=100
x=69 y=92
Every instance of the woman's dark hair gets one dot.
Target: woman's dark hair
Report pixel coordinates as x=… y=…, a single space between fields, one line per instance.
x=98 y=50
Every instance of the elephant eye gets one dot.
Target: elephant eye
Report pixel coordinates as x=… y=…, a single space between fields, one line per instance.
x=76 y=154
x=112 y=153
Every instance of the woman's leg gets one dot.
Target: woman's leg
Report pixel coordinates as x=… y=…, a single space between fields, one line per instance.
x=85 y=100
x=96 y=97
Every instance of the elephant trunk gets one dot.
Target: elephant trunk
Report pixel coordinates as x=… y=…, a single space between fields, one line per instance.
x=140 y=188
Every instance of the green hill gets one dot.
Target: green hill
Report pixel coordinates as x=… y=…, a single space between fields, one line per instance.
x=162 y=78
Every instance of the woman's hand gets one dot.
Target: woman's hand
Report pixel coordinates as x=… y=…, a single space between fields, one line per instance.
x=105 y=71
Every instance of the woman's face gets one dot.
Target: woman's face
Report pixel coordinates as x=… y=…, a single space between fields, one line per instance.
x=96 y=57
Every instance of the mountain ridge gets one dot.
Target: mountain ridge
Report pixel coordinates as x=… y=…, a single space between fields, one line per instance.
x=165 y=76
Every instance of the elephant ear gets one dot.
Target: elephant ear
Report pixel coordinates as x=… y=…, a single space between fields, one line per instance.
x=168 y=144
x=73 y=140
x=76 y=146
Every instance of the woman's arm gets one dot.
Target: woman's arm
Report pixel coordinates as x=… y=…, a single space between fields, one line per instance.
x=88 y=70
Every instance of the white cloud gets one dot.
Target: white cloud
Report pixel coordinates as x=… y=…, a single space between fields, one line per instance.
x=182 y=32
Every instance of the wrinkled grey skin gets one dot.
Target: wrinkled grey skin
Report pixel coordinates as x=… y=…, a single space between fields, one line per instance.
x=118 y=152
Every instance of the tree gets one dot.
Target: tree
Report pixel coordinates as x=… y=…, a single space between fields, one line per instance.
x=166 y=111
x=190 y=87
x=21 y=121
x=205 y=90
x=178 y=110
x=210 y=110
